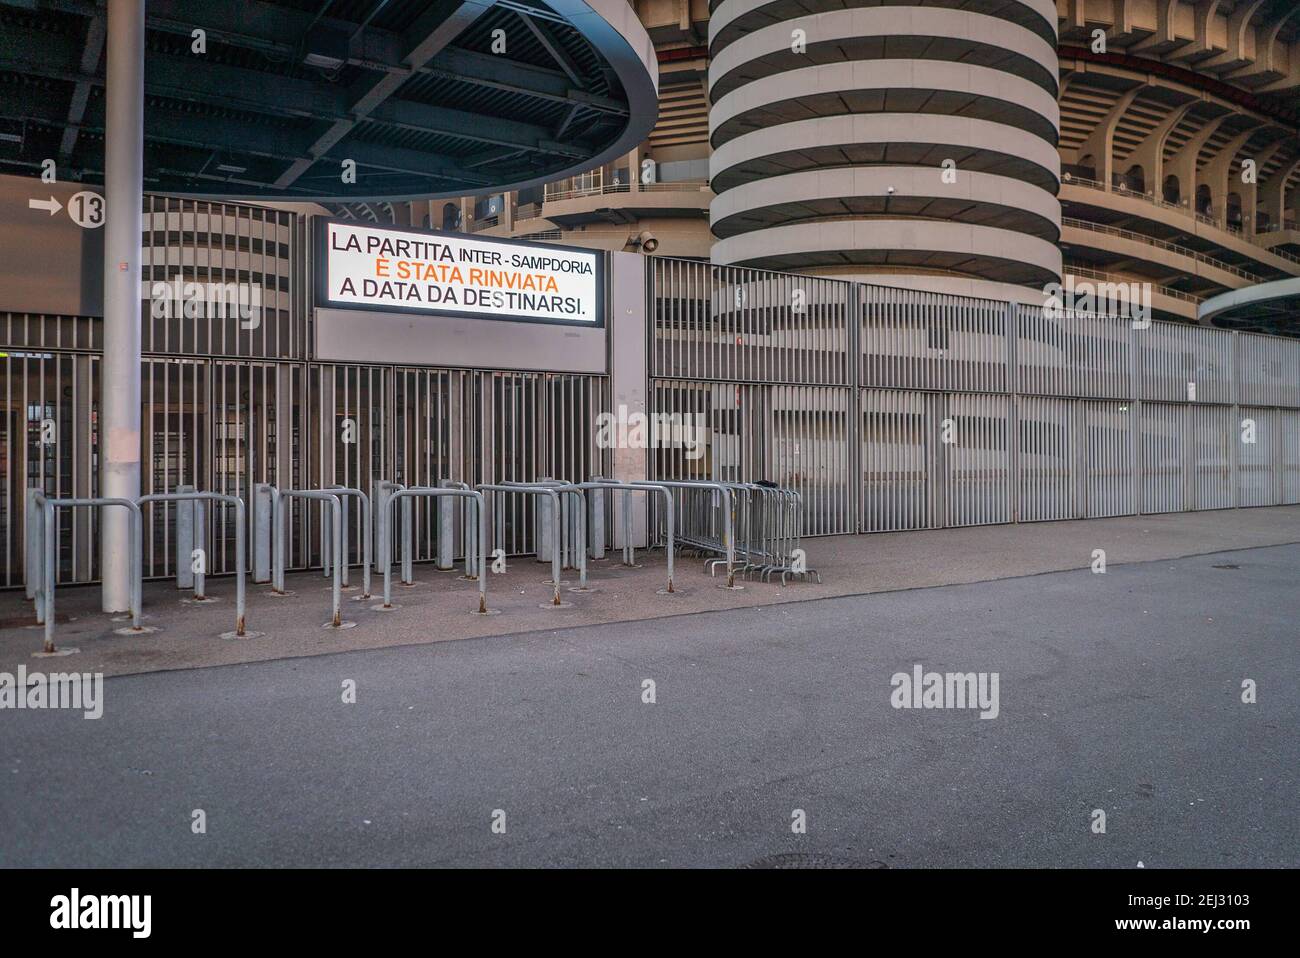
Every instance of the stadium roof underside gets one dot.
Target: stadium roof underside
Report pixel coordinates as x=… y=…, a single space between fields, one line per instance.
x=1264 y=308
x=275 y=97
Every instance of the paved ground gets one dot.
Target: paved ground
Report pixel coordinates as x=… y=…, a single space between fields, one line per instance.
x=1119 y=692
x=440 y=607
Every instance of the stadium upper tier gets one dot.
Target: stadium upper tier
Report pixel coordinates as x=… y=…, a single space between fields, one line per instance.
x=353 y=99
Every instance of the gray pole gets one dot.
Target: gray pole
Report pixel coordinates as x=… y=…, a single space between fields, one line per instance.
x=119 y=434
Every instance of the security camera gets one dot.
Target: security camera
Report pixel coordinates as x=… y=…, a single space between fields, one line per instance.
x=646 y=241
x=890 y=191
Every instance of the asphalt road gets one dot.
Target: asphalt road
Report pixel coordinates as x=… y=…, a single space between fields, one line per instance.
x=1119 y=692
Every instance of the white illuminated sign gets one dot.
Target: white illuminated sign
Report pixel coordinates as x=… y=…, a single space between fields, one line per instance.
x=393 y=269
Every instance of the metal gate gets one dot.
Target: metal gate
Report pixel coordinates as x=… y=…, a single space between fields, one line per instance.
x=48 y=440
x=759 y=363
x=963 y=411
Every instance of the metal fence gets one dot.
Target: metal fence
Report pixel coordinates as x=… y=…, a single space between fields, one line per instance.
x=226 y=425
x=962 y=411
x=884 y=409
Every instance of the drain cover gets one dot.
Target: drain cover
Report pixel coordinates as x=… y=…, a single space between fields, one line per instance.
x=1226 y=565
x=803 y=860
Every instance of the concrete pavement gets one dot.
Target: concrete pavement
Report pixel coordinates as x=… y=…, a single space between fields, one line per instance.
x=440 y=607
x=1119 y=692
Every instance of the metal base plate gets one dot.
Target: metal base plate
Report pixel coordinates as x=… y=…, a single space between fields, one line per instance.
x=341 y=625
x=143 y=630
x=248 y=634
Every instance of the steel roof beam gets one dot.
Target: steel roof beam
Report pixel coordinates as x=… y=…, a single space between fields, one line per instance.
x=212 y=83
x=496 y=72
x=90 y=55
x=255 y=25
x=552 y=47
x=438 y=26
x=205 y=134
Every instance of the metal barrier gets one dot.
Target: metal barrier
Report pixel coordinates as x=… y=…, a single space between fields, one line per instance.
x=343 y=492
x=770 y=522
x=554 y=497
x=570 y=541
x=34 y=543
x=191 y=534
x=383 y=492
x=49 y=543
x=336 y=529
x=447 y=533
x=385 y=537
x=599 y=485
x=570 y=526
x=705 y=526
x=198 y=498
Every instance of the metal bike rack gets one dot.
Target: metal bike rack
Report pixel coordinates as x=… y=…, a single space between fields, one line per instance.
x=560 y=526
x=766 y=522
x=554 y=498
x=447 y=530
x=191 y=534
x=385 y=490
x=725 y=545
x=336 y=529
x=629 y=550
x=198 y=498
x=34 y=542
x=49 y=544
x=774 y=521
x=343 y=492
x=543 y=526
x=386 y=530
x=263 y=512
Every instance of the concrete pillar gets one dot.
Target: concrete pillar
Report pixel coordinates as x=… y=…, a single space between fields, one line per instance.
x=1272 y=193
x=634 y=170
x=123 y=189
x=629 y=386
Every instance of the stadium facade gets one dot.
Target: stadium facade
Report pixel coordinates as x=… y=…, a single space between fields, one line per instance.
x=840 y=310
x=1154 y=142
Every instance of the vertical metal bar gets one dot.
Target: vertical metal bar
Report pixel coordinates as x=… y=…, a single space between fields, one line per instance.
x=185 y=528
x=200 y=545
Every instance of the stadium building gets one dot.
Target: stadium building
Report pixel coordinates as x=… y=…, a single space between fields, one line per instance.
x=854 y=211
x=1113 y=141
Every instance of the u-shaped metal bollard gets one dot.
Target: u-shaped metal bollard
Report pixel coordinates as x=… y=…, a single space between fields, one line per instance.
x=342 y=557
x=627 y=488
x=240 y=550
x=49 y=570
x=336 y=529
x=554 y=495
x=385 y=537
